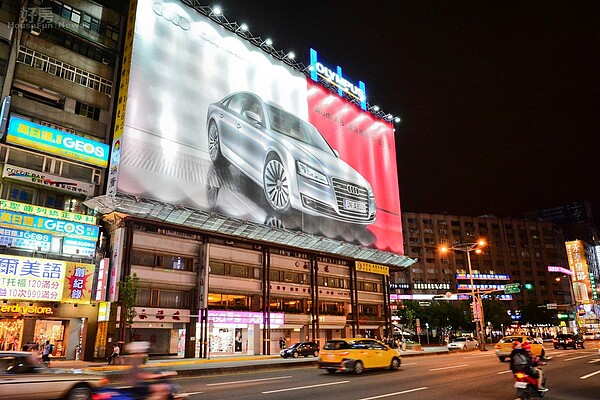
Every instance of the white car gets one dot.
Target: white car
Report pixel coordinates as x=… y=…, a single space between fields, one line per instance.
x=463 y=343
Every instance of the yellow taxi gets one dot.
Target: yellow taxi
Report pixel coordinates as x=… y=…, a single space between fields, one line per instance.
x=505 y=346
x=356 y=355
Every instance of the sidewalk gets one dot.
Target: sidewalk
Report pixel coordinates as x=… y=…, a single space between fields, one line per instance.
x=217 y=363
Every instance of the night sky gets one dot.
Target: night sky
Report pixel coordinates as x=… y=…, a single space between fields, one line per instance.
x=499 y=100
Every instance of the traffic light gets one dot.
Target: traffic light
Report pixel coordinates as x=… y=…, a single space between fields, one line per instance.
x=528 y=286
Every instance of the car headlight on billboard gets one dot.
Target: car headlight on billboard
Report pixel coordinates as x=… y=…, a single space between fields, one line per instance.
x=310 y=173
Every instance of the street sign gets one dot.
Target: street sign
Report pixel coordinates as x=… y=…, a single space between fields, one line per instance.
x=551 y=306
x=512 y=288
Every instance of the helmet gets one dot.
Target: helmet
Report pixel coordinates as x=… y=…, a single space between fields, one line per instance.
x=526 y=346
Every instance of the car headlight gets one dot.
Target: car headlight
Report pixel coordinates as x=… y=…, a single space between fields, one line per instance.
x=310 y=173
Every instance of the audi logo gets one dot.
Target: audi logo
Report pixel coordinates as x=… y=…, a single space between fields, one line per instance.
x=171 y=16
x=352 y=190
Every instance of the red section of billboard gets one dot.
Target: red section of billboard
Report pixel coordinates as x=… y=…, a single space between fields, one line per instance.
x=367 y=145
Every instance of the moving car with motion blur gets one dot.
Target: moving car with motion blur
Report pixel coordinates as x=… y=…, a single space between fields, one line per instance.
x=301 y=349
x=24 y=377
x=356 y=355
x=288 y=158
x=566 y=340
x=505 y=346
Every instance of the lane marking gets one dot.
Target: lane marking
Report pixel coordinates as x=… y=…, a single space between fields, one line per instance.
x=304 y=387
x=451 y=367
x=593 y=361
x=588 y=375
x=576 y=358
x=192 y=393
x=396 y=393
x=505 y=372
x=249 y=381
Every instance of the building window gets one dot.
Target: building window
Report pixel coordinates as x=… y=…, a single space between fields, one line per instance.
x=65 y=71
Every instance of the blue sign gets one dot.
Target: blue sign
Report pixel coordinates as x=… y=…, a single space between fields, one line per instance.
x=42 y=224
x=335 y=77
x=49 y=140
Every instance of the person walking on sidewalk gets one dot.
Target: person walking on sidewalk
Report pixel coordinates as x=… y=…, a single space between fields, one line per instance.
x=46 y=352
x=115 y=353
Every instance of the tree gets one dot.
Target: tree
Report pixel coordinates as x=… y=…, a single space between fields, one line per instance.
x=128 y=291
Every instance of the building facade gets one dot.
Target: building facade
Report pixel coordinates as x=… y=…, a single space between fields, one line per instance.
x=58 y=71
x=516 y=251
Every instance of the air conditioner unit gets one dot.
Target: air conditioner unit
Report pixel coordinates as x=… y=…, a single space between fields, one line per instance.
x=35 y=31
x=105 y=61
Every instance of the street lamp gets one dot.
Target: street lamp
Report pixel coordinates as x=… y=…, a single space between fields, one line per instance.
x=477 y=304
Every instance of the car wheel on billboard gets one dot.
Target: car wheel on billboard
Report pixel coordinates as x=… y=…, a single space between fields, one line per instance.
x=214 y=144
x=276 y=184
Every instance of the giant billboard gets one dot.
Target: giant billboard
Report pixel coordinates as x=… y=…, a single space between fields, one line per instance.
x=213 y=122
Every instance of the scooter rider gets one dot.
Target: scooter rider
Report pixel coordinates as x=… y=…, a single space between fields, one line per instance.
x=521 y=360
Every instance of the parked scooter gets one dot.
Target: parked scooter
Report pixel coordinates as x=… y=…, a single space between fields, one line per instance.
x=527 y=387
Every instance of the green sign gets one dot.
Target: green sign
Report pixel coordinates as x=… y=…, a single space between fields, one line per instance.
x=512 y=288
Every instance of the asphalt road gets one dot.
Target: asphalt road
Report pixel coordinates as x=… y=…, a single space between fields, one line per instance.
x=571 y=374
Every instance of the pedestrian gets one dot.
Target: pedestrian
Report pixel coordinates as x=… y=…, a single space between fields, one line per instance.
x=115 y=353
x=281 y=343
x=46 y=352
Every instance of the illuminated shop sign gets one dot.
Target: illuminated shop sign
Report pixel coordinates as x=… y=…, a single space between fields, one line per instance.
x=46 y=212
x=582 y=289
x=372 y=268
x=431 y=286
x=562 y=270
x=335 y=77
x=51 y=181
x=394 y=286
x=462 y=286
x=42 y=279
x=103 y=311
x=79 y=247
x=54 y=226
x=49 y=140
x=102 y=279
x=32 y=310
x=25 y=239
x=489 y=277
x=243 y=317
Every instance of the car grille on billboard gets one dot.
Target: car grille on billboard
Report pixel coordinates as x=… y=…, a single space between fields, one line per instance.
x=350 y=191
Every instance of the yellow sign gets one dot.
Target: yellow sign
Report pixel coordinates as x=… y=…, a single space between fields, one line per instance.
x=19 y=309
x=372 y=268
x=46 y=212
x=582 y=289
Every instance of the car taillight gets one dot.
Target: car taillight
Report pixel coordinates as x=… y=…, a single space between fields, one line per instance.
x=101 y=396
x=520 y=375
x=569 y=340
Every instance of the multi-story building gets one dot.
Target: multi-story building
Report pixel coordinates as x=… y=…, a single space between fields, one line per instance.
x=226 y=198
x=516 y=251
x=57 y=62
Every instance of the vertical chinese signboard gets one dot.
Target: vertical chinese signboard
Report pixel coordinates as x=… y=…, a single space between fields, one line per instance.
x=582 y=286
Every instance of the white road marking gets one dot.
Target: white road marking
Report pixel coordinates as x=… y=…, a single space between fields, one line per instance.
x=249 y=381
x=396 y=393
x=453 y=366
x=403 y=364
x=304 y=387
x=576 y=358
x=505 y=372
x=588 y=375
x=193 y=393
x=593 y=361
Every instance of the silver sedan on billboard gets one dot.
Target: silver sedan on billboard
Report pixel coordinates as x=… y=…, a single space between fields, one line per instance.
x=288 y=158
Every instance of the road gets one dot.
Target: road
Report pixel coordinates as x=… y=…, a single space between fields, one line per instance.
x=572 y=375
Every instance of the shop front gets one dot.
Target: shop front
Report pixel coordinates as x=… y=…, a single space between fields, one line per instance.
x=28 y=326
x=231 y=332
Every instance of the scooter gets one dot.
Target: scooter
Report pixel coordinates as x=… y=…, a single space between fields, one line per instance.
x=173 y=392
x=527 y=387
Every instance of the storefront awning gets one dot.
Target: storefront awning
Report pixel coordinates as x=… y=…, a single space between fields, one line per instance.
x=331 y=326
x=290 y=326
x=369 y=326
x=212 y=222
